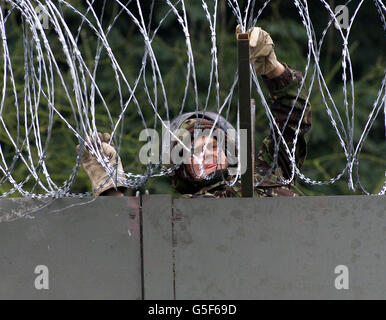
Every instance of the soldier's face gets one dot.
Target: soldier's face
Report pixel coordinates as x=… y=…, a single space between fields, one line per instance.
x=213 y=158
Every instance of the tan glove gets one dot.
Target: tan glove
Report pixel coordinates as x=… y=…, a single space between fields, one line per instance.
x=99 y=178
x=261 y=50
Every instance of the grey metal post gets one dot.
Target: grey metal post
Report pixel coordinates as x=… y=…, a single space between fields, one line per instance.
x=245 y=112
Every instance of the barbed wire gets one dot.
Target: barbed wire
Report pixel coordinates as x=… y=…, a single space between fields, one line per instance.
x=81 y=89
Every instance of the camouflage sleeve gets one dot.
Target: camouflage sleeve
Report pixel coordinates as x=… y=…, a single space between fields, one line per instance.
x=283 y=91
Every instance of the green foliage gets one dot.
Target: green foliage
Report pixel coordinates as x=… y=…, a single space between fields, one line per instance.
x=325 y=156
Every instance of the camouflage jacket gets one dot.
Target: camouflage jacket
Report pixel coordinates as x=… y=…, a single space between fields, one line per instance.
x=283 y=91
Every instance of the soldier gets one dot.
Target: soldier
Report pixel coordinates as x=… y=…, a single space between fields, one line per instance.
x=211 y=178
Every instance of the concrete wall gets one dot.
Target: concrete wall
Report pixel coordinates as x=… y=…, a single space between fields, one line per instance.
x=157 y=248
x=87 y=249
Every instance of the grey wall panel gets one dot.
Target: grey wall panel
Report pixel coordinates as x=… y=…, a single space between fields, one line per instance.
x=157 y=247
x=280 y=248
x=92 y=251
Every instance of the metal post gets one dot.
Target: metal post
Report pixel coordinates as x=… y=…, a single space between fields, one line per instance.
x=245 y=112
x=253 y=113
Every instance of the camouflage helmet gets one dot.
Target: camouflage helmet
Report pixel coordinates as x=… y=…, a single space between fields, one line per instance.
x=182 y=181
x=221 y=123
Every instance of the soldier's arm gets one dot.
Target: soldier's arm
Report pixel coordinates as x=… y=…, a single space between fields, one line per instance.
x=283 y=84
x=102 y=184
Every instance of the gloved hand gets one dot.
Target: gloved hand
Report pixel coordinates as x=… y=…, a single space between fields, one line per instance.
x=97 y=174
x=261 y=50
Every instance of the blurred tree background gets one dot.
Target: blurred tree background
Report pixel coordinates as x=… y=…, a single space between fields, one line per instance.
x=281 y=18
